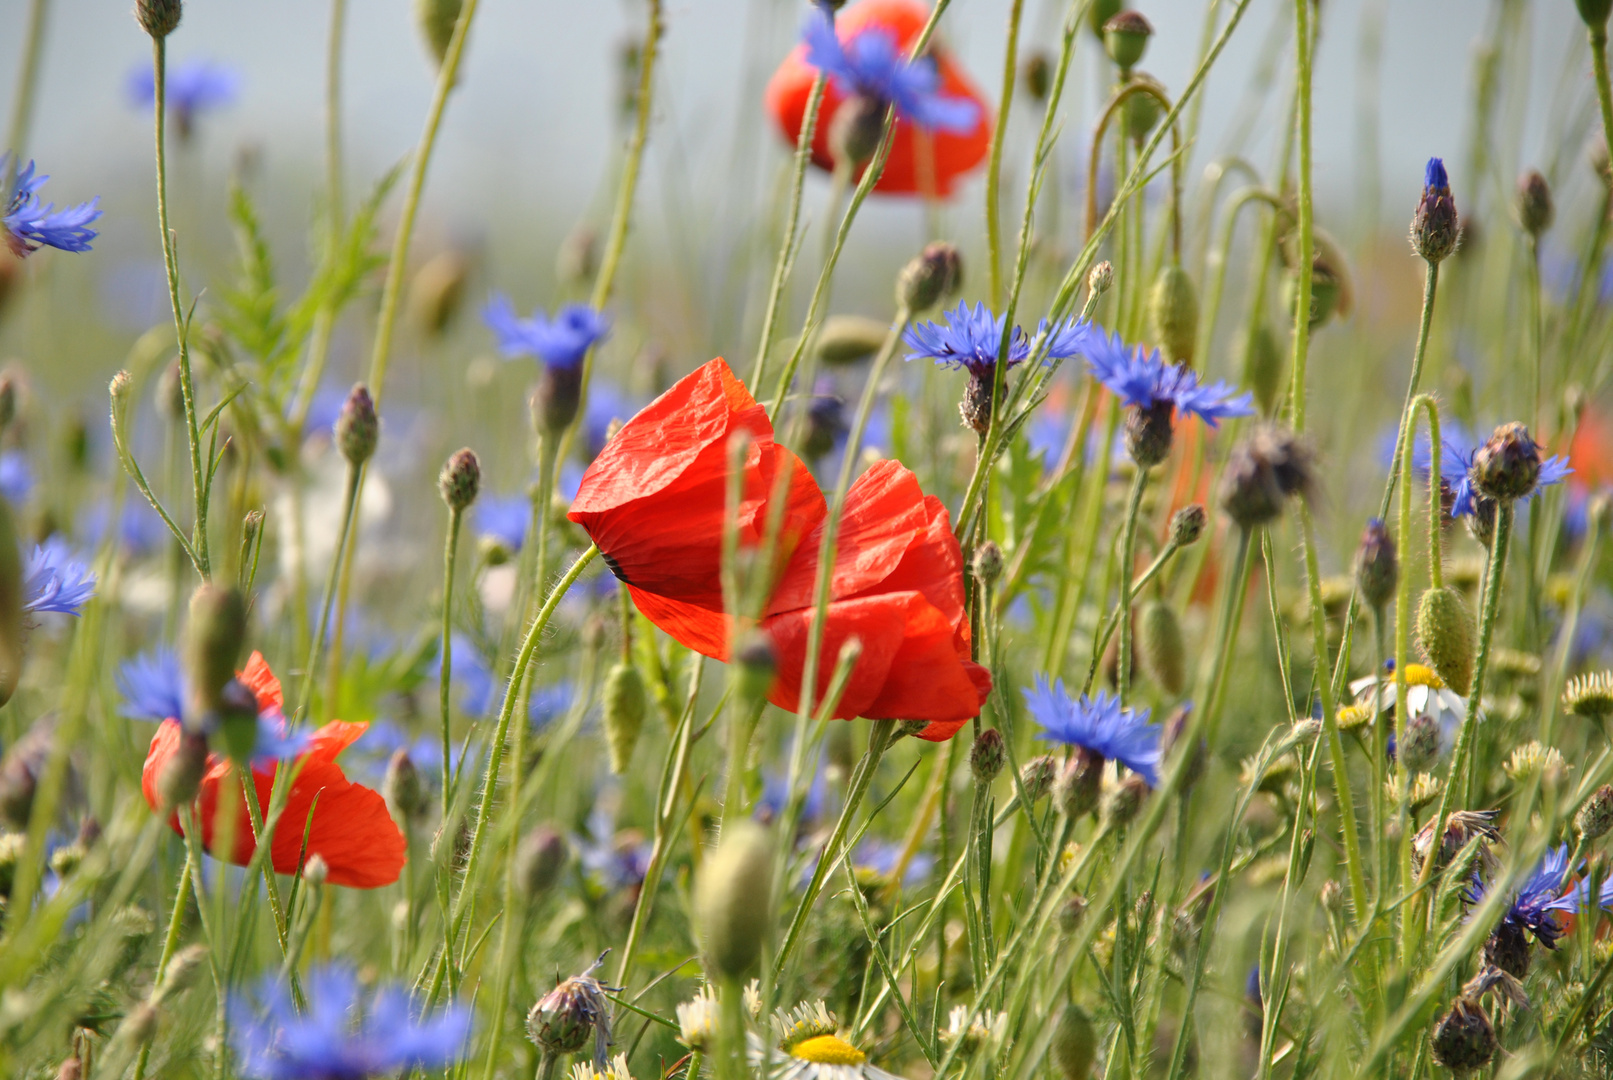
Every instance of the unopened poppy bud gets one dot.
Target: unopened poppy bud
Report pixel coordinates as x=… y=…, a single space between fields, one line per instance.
x=460 y=479
x=733 y=900
x=540 y=858
x=402 y=788
x=1377 y=570
x=1037 y=73
x=1187 y=525
x=436 y=20
x=1125 y=38
x=1161 y=648
x=1075 y=1044
x=357 y=428
x=1595 y=818
x=989 y=563
x=625 y=703
x=180 y=777
x=1262 y=367
x=237 y=718
x=1101 y=278
x=159 y=18
x=758 y=666
x=1143 y=111
x=1463 y=1039
x=214 y=638
x=1508 y=465
x=1122 y=802
x=929 y=277
x=1268 y=467
x=987 y=755
x=170 y=393
x=1173 y=313
x=846 y=339
x=1149 y=433
x=1078 y=784
x=856 y=129
x=316 y=871
x=1535 y=209
x=1036 y=776
x=1422 y=744
x=1446 y=634
x=1435 y=228
x=555 y=401
x=1594 y=13
x=437 y=291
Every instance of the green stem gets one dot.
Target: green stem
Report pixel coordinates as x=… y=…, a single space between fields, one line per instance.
x=22 y=106
x=444 y=669
x=1113 y=620
x=1492 y=605
x=1604 y=89
x=994 y=165
x=1128 y=541
x=355 y=474
x=333 y=116
x=170 y=942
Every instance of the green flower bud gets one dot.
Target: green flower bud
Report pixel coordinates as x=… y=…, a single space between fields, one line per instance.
x=1421 y=748
x=159 y=18
x=1535 y=209
x=856 y=129
x=733 y=900
x=1263 y=367
x=1187 y=525
x=988 y=563
x=1075 y=1044
x=1142 y=112
x=987 y=755
x=1160 y=647
x=237 y=716
x=846 y=339
x=1037 y=73
x=460 y=479
x=1037 y=775
x=436 y=20
x=1125 y=38
x=214 y=639
x=1078 y=784
x=625 y=703
x=403 y=789
x=1101 y=278
x=357 y=428
x=316 y=871
x=540 y=858
x=1376 y=569
x=1595 y=818
x=931 y=276
x=1446 y=633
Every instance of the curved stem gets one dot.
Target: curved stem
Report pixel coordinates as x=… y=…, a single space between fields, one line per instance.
x=1218 y=261
x=1128 y=541
x=1139 y=85
x=445 y=667
x=994 y=165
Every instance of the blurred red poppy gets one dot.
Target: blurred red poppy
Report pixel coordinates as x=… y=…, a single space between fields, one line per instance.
x=352 y=830
x=921 y=161
x=654 y=502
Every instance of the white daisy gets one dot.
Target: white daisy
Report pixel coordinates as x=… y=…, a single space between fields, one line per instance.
x=810 y=1047
x=697 y=1021
x=1425 y=693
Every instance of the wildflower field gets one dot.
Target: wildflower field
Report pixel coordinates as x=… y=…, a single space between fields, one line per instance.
x=1030 y=576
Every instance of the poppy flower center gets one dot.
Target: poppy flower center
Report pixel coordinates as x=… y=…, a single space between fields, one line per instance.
x=828 y=1050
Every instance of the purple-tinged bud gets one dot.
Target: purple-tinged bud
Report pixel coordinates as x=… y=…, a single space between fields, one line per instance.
x=1101 y=278
x=1376 y=569
x=357 y=428
x=1149 y=433
x=1464 y=1040
x=1507 y=466
x=1187 y=525
x=1435 y=227
x=987 y=755
x=929 y=277
x=1535 y=209
x=159 y=18
x=568 y=1016
x=555 y=401
x=460 y=479
x=1124 y=800
x=1268 y=467
x=1422 y=744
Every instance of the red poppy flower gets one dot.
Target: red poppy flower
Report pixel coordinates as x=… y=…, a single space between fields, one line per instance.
x=653 y=501
x=352 y=829
x=921 y=160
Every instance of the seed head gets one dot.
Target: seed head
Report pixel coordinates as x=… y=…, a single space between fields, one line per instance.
x=1464 y=1040
x=1125 y=38
x=159 y=18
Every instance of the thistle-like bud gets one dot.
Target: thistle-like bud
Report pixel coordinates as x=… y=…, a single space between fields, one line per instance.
x=540 y=859
x=1594 y=13
x=402 y=787
x=1446 y=633
x=556 y=399
x=1173 y=306
x=758 y=666
x=1101 y=278
x=856 y=129
x=929 y=277
x=1508 y=465
x=1376 y=569
x=988 y=563
x=213 y=642
x=1268 y=467
x=1535 y=209
x=987 y=755
x=1037 y=73
x=180 y=777
x=1263 y=367
x=625 y=703
x=159 y=18
x=1422 y=744
x=437 y=290
x=1149 y=433
x=357 y=428
x=1036 y=776
x=1464 y=1040
x=1595 y=818
x=1187 y=525
x=436 y=19
x=1078 y=784
x=846 y=339
x=564 y=1019
x=1435 y=228
x=734 y=900
x=1122 y=801
x=460 y=479
x=1075 y=1044
x=1125 y=38
x=1161 y=648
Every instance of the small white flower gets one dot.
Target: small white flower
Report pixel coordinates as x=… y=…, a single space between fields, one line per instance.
x=697 y=1021
x=585 y=1070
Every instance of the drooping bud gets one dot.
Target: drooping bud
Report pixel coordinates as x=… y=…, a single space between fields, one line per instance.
x=758 y=666
x=856 y=129
x=357 y=428
x=625 y=702
x=540 y=858
x=846 y=339
x=403 y=789
x=1422 y=744
x=1535 y=209
x=1161 y=648
x=1267 y=468
x=1173 y=306
x=1037 y=73
x=734 y=900
x=987 y=755
x=436 y=20
x=1464 y=1040
x=1446 y=634
x=214 y=638
x=1078 y=784
x=460 y=479
x=1595 y=818
x=929 y=277
x=1036 y=776
x=1125 y=39
x=1187 y=525
x=1101 y=278
x=988 y=564
x=1508 y=465
x=437 y=290
x=1149 y=433
x=1075 y=1044
x=1376 y=569
x=1435 y=228
x=180 y=777
x=159 y=18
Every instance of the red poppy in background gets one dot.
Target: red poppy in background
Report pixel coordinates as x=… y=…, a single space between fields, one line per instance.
x=653 y=500
x=943 y=129
x=352 y=829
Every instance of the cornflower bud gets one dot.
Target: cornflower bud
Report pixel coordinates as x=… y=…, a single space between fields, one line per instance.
x=625 y=702
x=159 y=18
x=1075 y=1044
x=846 y=339
x=1435 y=228
x=1446 y=633
x=758 y=666
x=1508 y=465
x=1535 y=209
x=1160 y=647
x=563 y=1019
x=1464 y=1040
x=357 y=428
x=988 y=563
x=986 y=756
x=540 y=858
x=855 y=131
x=1125 y=39
x=1124 y=800
x=1149 y=433
x=460 y=479
x=1422 y=744
x=1078 y=784
x=1173 y=307
x=929 y=277
x=402 y=788
x=213 y=642
x=1037 y=73
x=733 y=900
x=1376 y=569
x=180 y=777
x=1101 y=278
x=1267 y=468
x=1595 y=818
x=1036 y=776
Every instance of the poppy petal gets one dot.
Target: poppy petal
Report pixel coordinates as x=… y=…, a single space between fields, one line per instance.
x=257 y=678
x=701 y=629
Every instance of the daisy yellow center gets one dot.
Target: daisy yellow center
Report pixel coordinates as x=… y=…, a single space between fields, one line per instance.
x=1421 y=675
x=828 y=1050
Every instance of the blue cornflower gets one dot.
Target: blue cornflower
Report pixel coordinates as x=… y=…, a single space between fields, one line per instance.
x=55 y=581
x=1434 y=175
x=28 y=226
x=1143 y=380
x=504 y=518
x=152 y=685
x=1098 y=725
x=1539 y=895
x=972 y=339
x=871 y=66
x=561 y=342
x=189 y=87
x=16 y=478
x=140 y=529
x=275 y=1042
x=1457 y=461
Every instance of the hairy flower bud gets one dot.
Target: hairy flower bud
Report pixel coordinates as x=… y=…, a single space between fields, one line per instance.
x=929 y=277
x=564 y=1019
x=1376 y=569
x=1535 y=209
x=1187 y=525
x=846 y=339
x=159 y=18
x=1446 y=634
x=357 y=428
x=1078 y=784
x=1263 y=367
x=1269 y=466
x=1595 y=818
x=734 y=900
x=1508 y=465
x=540 y=858
x=1421 y=749
x=855 y=130
x=1161 y=648
x=1125 y=38
x=1037 y=775
x=988 y=563
x=555 y=401
x=1122 y=801
x=403 y=789
x=1435 y=228
x=460 y=479
x=214 y=639
x=1101 y=278
x=1149 y=433
x=987 y=755
x=625 y=701
x=1075 y=1044
x=1173 y=306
